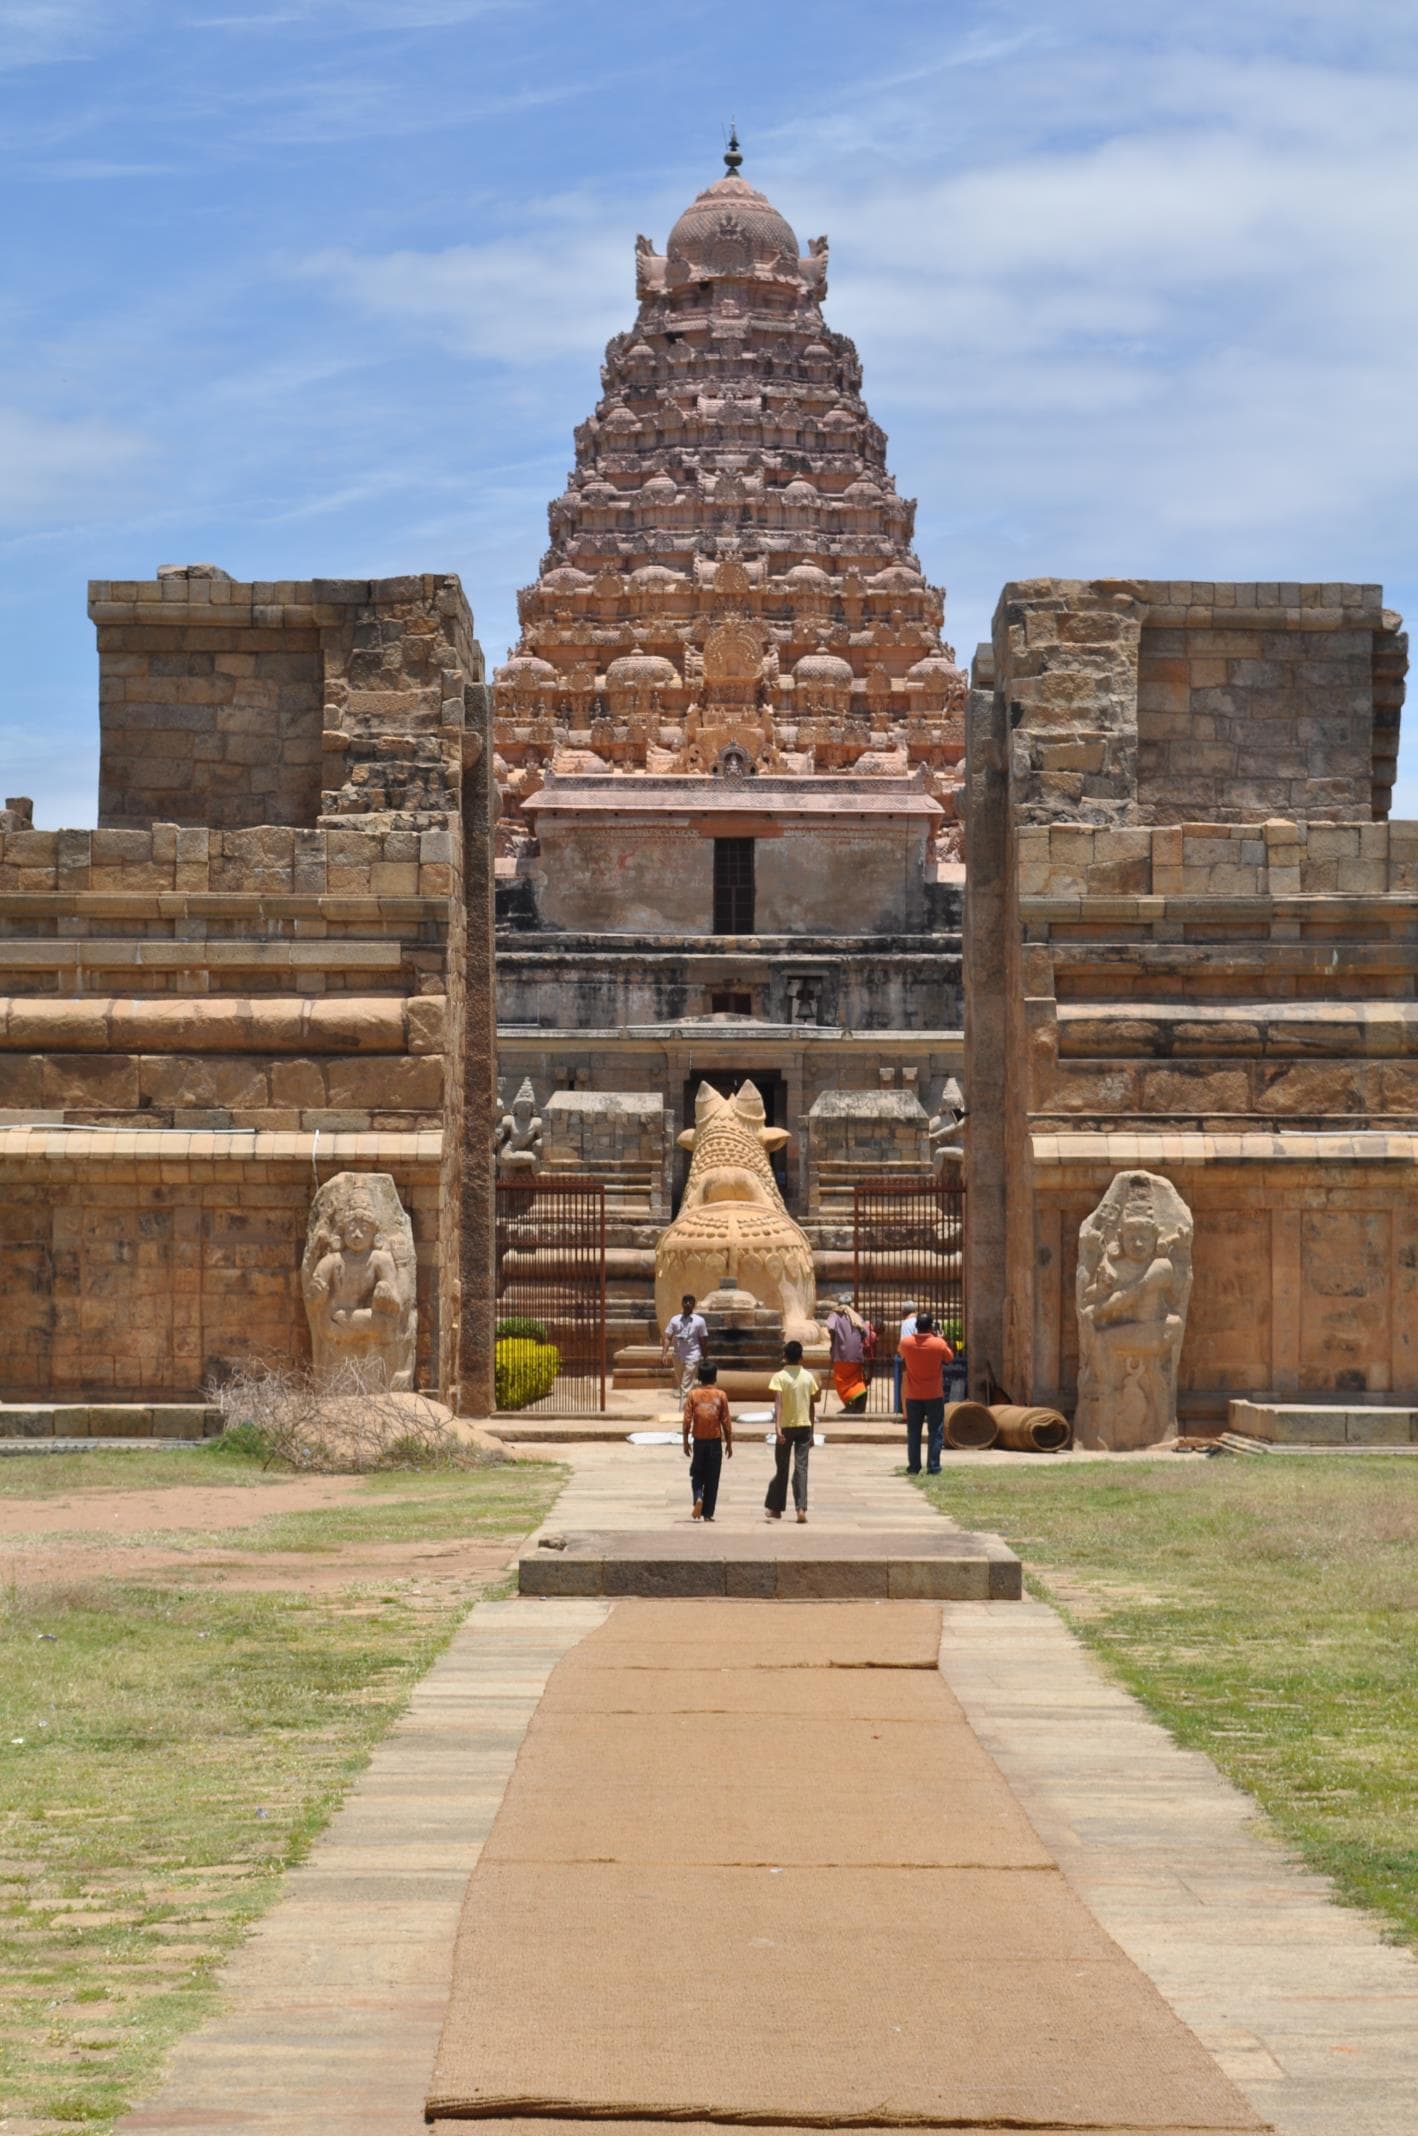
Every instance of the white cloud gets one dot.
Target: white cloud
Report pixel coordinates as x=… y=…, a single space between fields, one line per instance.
x=512 y=300
x=55 y=468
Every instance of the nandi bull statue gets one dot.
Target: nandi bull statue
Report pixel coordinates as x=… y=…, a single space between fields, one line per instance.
x=732 y=1231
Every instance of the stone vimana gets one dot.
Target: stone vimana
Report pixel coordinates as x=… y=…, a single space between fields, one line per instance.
x=729 y=814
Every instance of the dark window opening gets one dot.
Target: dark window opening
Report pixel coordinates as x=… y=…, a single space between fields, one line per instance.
x=733 y=886
x=731 y=1004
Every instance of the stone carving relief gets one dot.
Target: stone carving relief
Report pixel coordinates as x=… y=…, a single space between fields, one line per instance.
x=358 y=1277
x=1133 y=1283
x=945 y=1131
x=732 y=1231
x=517 y=1138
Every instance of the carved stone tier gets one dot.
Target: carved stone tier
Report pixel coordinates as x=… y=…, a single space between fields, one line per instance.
x=730 y=564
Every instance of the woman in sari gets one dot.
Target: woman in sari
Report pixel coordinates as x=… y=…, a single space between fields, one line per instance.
x=852 y=1340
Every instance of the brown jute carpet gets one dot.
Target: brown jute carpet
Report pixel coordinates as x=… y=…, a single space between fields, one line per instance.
x=815 y=1919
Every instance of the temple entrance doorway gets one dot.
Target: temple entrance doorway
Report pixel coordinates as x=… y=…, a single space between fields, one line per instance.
x=768 y=1082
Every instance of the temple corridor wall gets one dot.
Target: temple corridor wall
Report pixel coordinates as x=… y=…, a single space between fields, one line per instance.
x=199 y=1023
x=1229 y=1000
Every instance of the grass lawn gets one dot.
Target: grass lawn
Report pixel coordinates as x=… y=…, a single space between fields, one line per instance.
x=129 y=1469
x=1266 y=1610
x=166 y=1751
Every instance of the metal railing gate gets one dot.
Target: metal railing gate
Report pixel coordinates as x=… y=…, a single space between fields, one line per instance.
x=908 y=1248
x=551 y=1269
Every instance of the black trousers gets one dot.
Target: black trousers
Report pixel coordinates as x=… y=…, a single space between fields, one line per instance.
x=795 y=1447
x=706 y=1464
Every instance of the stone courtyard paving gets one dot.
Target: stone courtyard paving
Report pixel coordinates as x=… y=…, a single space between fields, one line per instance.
x=333 y=2005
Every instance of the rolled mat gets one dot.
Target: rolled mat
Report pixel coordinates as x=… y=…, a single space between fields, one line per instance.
x=848 y=1694
x=969 y=1424
x=742 y=1789
x=1031 y=1431
x=727 y=1956
x=830 y=1995
x=499 y=2126
x=708 y=1634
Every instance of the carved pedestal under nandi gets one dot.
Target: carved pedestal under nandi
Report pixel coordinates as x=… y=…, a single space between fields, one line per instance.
x=358 y=1276
x=732 y=1230
x=1134 y=1281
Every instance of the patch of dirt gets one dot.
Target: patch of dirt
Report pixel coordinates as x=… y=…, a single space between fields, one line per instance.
x=435 y=1566
x=184 y=1505
x=94 y=1525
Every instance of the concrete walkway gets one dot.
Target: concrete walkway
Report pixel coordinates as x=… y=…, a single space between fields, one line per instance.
x=1299 y=2000
x=335 y=2002
x=852 y=1490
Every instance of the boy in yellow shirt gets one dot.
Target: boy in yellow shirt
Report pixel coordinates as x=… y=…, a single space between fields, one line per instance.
x=795 y=1398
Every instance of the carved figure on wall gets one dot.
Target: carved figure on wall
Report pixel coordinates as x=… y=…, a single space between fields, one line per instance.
x=358 y=1277
x=945 y=1130
x=732 y=1230
x=1134 y=1280
x=517 y=1139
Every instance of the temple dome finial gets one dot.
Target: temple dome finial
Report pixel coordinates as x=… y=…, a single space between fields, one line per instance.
x=733 y=155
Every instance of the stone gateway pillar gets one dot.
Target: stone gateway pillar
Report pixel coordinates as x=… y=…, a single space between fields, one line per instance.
x=1133 y=1283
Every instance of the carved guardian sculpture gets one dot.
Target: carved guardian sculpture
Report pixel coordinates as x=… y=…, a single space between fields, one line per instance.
x=732 y=1230
x=517 y=1139
x=358 y=1276
x=1133 y=1283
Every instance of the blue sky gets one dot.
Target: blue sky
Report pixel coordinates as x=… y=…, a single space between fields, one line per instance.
x=320 y=286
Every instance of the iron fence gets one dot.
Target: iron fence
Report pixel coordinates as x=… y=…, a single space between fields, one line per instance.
x=908 y=1249
x=551 y=1271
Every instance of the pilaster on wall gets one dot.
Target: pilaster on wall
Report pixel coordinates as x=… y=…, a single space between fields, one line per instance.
x=470 y=1142
x=988 y=868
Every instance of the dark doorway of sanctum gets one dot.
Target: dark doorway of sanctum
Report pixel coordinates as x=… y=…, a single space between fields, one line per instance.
x=770 y=1086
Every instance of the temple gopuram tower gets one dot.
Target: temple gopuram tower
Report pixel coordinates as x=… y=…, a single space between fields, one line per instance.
x=729 y=745
x=730 y=580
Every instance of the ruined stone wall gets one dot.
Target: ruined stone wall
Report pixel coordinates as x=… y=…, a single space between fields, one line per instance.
x=226 y=704
x=1228 y=1002
x=1137 y=701
x=197 y=1024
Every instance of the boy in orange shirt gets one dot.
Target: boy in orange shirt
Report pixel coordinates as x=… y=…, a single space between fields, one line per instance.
x=707 y=1420
x=924 y=1357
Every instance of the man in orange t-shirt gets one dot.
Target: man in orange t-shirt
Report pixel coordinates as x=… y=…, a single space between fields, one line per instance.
x=924 y=1357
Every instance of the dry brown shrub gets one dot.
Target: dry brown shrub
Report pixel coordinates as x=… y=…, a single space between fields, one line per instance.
x=347 y=1424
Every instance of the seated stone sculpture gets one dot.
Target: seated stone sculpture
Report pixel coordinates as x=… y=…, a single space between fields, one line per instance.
x=358 y=1276
x=1133 y=1283
x=518 y=1141
x=732 y=1230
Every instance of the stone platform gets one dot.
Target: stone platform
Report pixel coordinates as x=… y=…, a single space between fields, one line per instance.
x=1324 y=1424
x=137 y=1422
x=776 y=1562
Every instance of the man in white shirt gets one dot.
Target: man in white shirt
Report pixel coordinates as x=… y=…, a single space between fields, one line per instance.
x=685 y=1340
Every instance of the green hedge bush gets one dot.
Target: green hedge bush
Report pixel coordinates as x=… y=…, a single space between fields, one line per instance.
x=523 y=1371
x=520 y=1324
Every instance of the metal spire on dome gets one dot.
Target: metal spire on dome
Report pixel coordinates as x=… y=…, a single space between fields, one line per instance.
x=733 y=156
